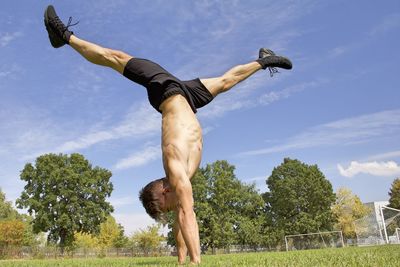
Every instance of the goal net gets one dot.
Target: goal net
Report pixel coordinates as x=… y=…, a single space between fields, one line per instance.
x=378 y=227
x=332 y=239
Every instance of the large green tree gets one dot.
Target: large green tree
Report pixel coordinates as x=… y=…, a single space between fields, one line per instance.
x=65 y=194
x=394 y=194
x=299 y=198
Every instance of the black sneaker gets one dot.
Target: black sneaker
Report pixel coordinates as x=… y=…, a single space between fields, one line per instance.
x=268 y=59
x=265 y=52
x=58 y=33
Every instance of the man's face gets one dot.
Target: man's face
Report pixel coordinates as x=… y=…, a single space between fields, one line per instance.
x=169 y=199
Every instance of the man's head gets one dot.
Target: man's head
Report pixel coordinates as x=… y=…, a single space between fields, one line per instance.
x=157 y=198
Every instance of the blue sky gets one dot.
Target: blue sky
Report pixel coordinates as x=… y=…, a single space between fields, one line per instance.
x=338 y=108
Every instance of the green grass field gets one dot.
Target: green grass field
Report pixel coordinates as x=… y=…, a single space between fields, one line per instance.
x=366 y=256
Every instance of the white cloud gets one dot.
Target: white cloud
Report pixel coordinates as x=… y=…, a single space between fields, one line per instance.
x=122 y=201
x=256 y=179
x=141 y=121
x=5 y=73
x=240 y=97
x=207 y=129
x=10 y=71
x=6 y=38
x=343 y=132
x=139 y=158
x=340 y=50
x=390 y=22
x=135 y=222
x=274 y=96
x=387 y=155
x=389 y=168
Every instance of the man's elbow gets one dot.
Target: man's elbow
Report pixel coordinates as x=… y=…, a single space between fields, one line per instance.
x=184 y=194
x=185 y=202
x=186 y=216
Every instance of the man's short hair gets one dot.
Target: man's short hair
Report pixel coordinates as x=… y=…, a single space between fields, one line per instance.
x=150 y=197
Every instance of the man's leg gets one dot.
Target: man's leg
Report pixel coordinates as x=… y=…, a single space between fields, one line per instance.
x=60 y=35
x=99 y=55
x=230 y=78
x=266 y=59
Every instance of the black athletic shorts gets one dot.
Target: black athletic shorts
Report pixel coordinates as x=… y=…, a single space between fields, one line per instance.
x=161 y=84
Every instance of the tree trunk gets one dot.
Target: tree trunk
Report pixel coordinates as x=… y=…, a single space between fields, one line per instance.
x=62 y=241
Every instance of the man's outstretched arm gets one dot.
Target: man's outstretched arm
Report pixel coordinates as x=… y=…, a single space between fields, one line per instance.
x=186 y=219
x=180 y=242
x=183 y=202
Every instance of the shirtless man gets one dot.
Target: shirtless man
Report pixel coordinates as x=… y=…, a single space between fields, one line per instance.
x=181 y=132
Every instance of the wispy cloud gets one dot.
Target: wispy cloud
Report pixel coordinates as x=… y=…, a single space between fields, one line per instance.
x=9 y=71
x=5 y=73
x=243 y=98
x=256 y=179
x=207 y=129
x=6 y=38
x=122 y=201
x=346 y=131
x=389 y=23
x=374 y=168
x=141 y=121
x=25 y=129
x=139 y=158
x=340 y=50
x=274 y=96
x=387 y=155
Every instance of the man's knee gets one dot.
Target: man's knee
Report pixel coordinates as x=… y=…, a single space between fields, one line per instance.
x=227 y=81
x=116 y=59
x=120 y=56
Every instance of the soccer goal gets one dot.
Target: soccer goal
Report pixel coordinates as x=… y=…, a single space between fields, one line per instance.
x=397 y=235
x=332 y=239
x=379 y=227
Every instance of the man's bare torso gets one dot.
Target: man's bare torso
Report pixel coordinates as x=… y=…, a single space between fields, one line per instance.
x=181 y=134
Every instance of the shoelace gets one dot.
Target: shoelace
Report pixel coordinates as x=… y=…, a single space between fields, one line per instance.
x=69 y=23
x=60 y=25
x=272 y=71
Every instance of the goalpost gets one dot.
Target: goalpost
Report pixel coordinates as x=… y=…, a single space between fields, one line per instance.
x=398 y=235
x=332 y=239
x=379 y=227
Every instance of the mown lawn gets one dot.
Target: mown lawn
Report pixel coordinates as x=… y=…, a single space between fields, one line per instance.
x=366 y=256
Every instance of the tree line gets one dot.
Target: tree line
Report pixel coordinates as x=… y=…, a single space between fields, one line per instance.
x=67 y=198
